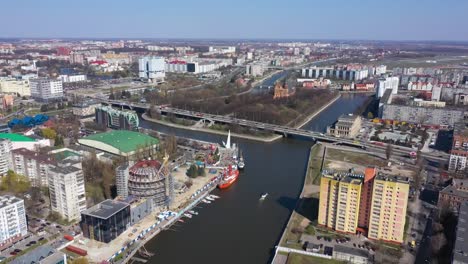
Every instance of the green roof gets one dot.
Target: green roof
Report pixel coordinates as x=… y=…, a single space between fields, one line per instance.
x=124 y=140
x=16 y=137
x=65 y=154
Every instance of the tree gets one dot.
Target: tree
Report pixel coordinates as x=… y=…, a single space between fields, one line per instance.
x=44 y=108
x=49 y=133
x=192 y=171
x=58 y=141
x=80 y=260
x=15 y=183
x=389 y=151
x=370 y=115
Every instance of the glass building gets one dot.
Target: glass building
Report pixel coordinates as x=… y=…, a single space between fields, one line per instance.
x=105 y=221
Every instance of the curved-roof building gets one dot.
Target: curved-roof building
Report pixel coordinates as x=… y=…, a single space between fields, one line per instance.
x=149 y=179
x=120 y=142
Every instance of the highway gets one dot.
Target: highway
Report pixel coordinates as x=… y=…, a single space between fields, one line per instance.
x=278 y=129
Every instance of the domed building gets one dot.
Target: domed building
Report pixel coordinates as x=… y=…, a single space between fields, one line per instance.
x=150 y=179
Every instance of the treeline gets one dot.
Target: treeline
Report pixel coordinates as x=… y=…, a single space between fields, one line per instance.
x=262 y=107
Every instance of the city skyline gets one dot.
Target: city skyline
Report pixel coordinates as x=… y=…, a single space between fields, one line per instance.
x=207 y=19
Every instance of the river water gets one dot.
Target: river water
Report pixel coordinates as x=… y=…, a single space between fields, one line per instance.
x=238 y=228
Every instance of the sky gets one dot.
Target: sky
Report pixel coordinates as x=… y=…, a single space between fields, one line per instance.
x=239 y=19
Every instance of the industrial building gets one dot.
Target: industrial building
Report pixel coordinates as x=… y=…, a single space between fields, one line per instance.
x=116 y=119
x=121 y=143
x=13 y=219
x=105 y=221
x=150 y=179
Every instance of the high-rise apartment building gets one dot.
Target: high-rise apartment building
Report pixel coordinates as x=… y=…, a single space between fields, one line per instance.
x=5 y=155
x=152 y=68
x=387 y=83
x=33 y=165
x=388 y=208
x=367 y=203
x=45 y=89
x=339 y=201
x=121 y=180
x=67 y=190
x=12 y=219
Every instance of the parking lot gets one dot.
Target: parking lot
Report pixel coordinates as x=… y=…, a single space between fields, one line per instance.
x=352 y=241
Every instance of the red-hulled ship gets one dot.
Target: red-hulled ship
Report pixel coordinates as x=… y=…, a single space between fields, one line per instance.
x=230 y=175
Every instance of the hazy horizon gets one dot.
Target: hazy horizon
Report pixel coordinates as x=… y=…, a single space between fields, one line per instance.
x=350 y=20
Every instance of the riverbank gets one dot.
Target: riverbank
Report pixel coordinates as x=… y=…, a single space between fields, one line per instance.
x=310 y=117
x=303 y=214
x=244 y=136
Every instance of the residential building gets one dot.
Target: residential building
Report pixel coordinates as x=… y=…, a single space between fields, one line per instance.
x=15 y=86
x=347 y=126
x=152 y=68
x=33 y=165
x=116 y=119
x=461 y=99
x=340 y=194
x=105 y=221
x=387 y=83
x=44 y=254
x=77 y=58
x=67 y=190
x=454 y=194
x=351 y=255
x=121 y=180
x=12 y=219
x=5 y=156
x=388 y=208
x=254 y=69
x=420 y=86
x=460 y=249
x=372 y=204
x=45 y=89
x=341 y=73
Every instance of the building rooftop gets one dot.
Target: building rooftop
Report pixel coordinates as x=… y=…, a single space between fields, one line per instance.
x=392 y=178
x=64 y=170
x=460 y=129
x=342 y=176
x=44 y=158
x=119 y=140
x=351 y=251
x=16 y=137
x=105 y=209
x=453 y=190
x=6 y=200
x=39 y=255
x=460 y=250
x=347 y=118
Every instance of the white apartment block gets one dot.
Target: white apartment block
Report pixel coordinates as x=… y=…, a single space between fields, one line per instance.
x=32 y=165
x=12 y=219
x=254 y=70
x=152 y=68
x=73 y=78
x=121 y=180
x=67 y=190
x=45 y=89
x=387 y=83
x=5 y=156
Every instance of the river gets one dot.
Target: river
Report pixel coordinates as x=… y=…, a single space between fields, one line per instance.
x=238 y=228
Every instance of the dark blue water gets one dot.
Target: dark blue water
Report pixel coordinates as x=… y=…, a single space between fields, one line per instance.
x=238 y=228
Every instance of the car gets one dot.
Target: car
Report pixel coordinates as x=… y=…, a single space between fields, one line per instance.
x=41 y=238
x=13 y=253
x=17 y=250
x=354 y=244
x=319 y=237
x=32 y=242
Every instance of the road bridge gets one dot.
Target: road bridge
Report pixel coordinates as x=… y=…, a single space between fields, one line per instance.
x=277 y=129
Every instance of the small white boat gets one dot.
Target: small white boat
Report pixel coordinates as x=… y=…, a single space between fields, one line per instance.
x=181 y=220
x=193 y=212
x=206 y=201
x=188 y=215
x=264 y=196
x=214 y=196
x=210 y=198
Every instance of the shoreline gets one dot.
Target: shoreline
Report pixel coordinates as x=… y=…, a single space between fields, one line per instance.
x=244 y=136
x=301 y=195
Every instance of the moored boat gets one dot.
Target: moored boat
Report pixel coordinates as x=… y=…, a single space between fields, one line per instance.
x=230 y=175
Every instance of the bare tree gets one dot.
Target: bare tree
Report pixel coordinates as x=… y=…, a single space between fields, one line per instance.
x=389 y=151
